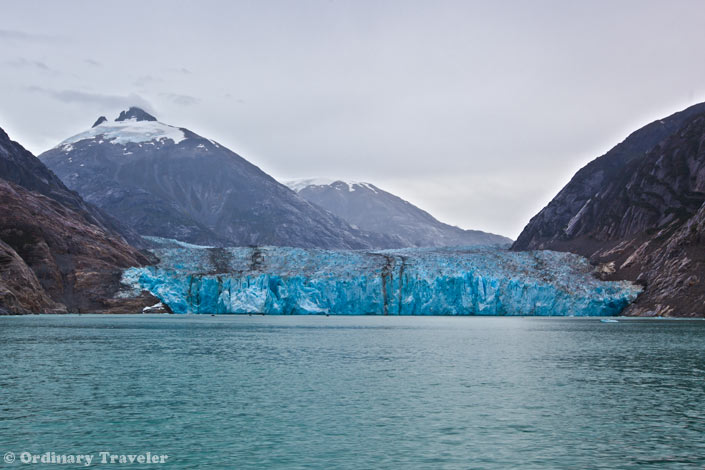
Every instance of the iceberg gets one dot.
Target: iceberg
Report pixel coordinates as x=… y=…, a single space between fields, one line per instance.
x=412 y=281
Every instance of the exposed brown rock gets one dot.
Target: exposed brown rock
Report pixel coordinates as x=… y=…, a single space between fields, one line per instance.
x=20 y=291
x=19 y=166
x=73 y=261
x=674 y=273
x=58 y=253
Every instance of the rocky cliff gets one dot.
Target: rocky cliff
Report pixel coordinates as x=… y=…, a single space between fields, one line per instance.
x=637 y=212
x=57 y=253
x=20 y=290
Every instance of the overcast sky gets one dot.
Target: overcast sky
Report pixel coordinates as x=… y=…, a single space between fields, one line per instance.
x=478 y=112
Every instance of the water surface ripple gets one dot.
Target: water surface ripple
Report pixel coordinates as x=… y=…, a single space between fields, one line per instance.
x=356 y=392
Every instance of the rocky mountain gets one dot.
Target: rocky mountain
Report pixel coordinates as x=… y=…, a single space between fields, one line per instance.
x=638 y=213
x=20 y=290
x=57 y=253
x=369 y=208
x=169 y=182
x=19 y=166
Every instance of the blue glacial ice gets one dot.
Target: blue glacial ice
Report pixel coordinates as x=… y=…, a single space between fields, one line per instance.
x=415 y=281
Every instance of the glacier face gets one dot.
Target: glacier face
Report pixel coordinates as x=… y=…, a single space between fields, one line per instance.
x=414 y=281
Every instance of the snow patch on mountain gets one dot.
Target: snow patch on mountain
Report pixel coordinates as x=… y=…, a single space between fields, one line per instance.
x=300 y=184
x=372 y=209
x=127 y=131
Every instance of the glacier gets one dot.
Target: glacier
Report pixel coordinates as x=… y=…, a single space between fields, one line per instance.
x=412 y=281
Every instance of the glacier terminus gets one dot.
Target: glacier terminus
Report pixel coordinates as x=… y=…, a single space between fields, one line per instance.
x=411 y=281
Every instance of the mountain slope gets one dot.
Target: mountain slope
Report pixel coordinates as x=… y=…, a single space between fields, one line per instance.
x=57 y=253
x=169 y=182
x=20 y=290
x=369 y=208
x=640 y=215
x=19 y=166
x=556 y=222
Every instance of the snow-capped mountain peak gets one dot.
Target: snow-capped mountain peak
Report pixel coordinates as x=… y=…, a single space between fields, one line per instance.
x=131 y=126
x=171 y=182
x=369 y=208
x=299 y=184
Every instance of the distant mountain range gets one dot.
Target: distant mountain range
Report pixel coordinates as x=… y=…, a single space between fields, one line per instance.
x=638 y=211
x=369 y=208
x=169 y=182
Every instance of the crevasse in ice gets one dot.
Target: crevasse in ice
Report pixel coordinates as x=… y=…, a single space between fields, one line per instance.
x=417 y=281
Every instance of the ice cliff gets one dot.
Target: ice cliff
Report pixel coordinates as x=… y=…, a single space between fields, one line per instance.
x=438 y=281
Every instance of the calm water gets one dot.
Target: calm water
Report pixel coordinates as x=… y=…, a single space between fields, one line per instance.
x=356 y=393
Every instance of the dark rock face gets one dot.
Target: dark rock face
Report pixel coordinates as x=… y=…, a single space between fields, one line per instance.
x=674 y=271
x=99 y=121
x=20 y=290
x=19 y=166
x=639 y=215
x=365 y=206
x=135 y=113
x=553 y=224
x=57 y=253
x=169 y=182
x=76 y=263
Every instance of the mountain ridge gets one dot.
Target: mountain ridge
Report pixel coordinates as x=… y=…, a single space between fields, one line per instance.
x=168 y=181
x=547 y=227
x=370 y=208
x=639 y=215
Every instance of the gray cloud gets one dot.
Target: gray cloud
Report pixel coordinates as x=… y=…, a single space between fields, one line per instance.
x=103 y=100
x=231 y=97
x=22 y=36
x=26 y=63
x=181 y=100
x=147 y=80
x=179 y=70
x=92 y=62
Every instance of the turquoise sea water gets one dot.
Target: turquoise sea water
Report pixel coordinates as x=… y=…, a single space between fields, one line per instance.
x=320 y=392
